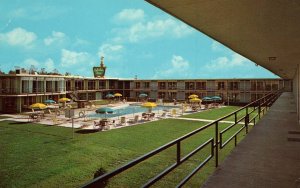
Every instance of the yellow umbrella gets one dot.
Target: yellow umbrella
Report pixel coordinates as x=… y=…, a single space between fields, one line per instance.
x=63 y=99
x=149 y=105
x=118 y=95
x=193 y=96
x=38 y=106
x=195 y=100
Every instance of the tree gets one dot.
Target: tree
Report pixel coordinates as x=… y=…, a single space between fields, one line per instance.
x=43 y=71
x=55 y=71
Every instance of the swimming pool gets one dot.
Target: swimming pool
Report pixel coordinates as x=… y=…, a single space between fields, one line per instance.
x=129 y=110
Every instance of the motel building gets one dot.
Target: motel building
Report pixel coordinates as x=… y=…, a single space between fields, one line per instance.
x=20 y=89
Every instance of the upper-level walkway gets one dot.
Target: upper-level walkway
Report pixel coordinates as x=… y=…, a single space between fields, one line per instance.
x=268 y=156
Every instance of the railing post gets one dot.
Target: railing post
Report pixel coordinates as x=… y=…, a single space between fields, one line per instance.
x=259 y=109
x=178 y=152
x=235 y=117
x=217 y=144
x=235 y=140
x=246 y=122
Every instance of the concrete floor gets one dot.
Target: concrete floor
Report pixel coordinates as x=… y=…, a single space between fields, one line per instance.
x=265 y=158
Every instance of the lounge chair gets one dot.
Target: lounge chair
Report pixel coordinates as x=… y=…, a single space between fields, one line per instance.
x=135 y=120
x=163 y=115
x=152 y=116
x=97 y=126
x=57 y=121
x=144 y=116
x=174 y=112
x=123 y=121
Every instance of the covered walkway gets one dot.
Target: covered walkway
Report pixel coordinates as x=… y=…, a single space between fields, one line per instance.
x=270 y=154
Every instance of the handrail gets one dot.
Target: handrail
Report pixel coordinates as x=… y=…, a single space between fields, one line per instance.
x=217 y=140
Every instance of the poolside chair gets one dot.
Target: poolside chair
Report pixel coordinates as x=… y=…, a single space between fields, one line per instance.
x=97 y=126
x=123 y=121
x=174 y=112
x=56 y=121
x=163 y=115
x=93 y=107
x=111 y=124
x=152 y=116
x=144 y=116
x=135 y=120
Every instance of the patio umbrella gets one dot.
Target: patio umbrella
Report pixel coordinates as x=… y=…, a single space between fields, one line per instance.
x=109 y=96
x=64 y=99
x=49 y=101
x=143 y=95
x=149 y=105
x=193 y=96
x=118 y=95
x=207 y=99
x=216 y=98
x=104 y=110
x=38 y=106
x=195 y=100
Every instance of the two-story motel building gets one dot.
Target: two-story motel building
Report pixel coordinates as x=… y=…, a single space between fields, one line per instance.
x=18 y=91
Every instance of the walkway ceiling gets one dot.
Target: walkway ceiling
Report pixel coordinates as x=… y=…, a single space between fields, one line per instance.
x=265 y=31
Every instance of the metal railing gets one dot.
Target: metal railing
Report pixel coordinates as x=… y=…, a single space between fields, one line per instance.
x=216 y=142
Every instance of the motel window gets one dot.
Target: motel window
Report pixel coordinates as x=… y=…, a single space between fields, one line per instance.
x=268 y=86
x=101 y=84
x=137 y=85
x=147 y=84
x=260 y=85
x=91 y=85
x=253 y=85
x=221 y=85
x=201 y=85
x=161 y=85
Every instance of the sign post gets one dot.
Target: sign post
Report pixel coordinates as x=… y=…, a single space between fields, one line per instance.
x=99 y=72
x=69 y=113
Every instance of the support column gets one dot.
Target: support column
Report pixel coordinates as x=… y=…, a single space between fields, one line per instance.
x=296 y=91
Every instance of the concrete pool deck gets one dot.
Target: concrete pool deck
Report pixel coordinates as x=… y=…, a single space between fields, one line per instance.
x=88 y=122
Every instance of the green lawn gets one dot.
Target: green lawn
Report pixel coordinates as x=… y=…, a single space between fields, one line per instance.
x=221 y=112
x=101 y=102
x=35 y=155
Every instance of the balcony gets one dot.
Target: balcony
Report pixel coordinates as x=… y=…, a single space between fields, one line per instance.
x=267 y=157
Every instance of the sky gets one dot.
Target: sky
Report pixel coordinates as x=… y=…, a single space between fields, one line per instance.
x=135 y=38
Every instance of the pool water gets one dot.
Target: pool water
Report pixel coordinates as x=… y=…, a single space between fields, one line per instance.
x=129 y=110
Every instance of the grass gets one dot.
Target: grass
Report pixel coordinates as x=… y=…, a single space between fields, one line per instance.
x=221 y=112
x=101 y=102
x=35 y=155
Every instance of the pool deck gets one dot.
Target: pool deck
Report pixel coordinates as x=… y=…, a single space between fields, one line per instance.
x=269 y=156
x=88 y=123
